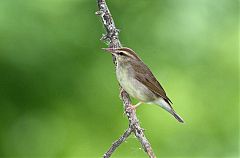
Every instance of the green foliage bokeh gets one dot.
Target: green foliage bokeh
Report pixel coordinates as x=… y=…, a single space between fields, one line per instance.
x=58 y=91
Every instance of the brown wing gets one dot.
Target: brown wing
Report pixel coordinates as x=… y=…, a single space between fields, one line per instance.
x=145 y=76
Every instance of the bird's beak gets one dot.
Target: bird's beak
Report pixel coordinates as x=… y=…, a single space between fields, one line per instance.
x=110 y=50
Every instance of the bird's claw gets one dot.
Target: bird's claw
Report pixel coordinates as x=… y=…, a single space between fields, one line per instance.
x=131 y=108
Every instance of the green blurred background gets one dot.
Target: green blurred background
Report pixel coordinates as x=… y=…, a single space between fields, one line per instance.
x=58 y=91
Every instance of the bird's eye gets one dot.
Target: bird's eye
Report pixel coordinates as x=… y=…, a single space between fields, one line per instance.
x=121 y=53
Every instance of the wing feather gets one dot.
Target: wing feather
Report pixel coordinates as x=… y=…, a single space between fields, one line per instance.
x=145 y=76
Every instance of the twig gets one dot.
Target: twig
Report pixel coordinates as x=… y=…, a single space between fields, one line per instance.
x=117 y=143
x=134 y=126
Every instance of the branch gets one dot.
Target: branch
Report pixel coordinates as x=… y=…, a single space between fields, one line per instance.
x=134 y=126
x=117 y=143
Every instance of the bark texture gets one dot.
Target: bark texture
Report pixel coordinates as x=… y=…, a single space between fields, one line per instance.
x=112 y=39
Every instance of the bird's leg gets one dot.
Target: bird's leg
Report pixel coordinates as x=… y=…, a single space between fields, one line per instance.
x=137 y=105
x=133 y=107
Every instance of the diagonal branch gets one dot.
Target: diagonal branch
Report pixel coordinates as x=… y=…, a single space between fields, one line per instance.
x=118 y=142
x=134 y=126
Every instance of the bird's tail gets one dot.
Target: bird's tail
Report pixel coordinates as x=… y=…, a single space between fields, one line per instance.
x=177 y=116
x=165 y=105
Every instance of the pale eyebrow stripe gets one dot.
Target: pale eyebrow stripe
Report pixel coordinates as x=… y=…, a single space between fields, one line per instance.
x=129 y=54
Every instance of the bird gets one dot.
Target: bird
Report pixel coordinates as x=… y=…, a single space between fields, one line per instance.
x=138 y=81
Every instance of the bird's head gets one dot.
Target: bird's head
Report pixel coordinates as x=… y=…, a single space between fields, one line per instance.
x=122 y=54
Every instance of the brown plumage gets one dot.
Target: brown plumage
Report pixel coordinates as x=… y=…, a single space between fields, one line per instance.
x=145 y=76
x=138 y=80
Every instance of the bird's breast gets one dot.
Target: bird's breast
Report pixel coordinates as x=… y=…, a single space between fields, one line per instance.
x=126 y=78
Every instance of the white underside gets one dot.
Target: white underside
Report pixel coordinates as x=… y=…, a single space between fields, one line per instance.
x=162 y=103
x=136 y=89
x=133 y=87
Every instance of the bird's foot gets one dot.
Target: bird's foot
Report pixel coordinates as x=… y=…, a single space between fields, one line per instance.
x=133 y=107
